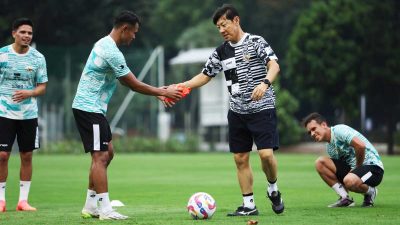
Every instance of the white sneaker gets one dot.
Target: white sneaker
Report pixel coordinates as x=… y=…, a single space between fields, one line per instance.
x=112 y=215
x=90 y=213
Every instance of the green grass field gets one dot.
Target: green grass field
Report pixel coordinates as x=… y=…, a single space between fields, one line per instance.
x=156 y=187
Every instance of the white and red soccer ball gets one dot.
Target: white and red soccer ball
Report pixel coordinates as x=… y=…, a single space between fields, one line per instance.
x=201 y=206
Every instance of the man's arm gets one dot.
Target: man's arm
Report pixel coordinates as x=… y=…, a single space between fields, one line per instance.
x=272 y=72
x=20 y=95
x=197 y=81
x=359 y=148
x=134 y=84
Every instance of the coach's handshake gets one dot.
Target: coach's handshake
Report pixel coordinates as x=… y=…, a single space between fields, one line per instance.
x=170 y=101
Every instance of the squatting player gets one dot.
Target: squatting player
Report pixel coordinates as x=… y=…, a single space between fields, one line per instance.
x=353 y=163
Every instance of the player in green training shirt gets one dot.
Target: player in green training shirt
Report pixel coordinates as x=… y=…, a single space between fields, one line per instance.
x=23 y=77
x=353 y=163
x=105 y=65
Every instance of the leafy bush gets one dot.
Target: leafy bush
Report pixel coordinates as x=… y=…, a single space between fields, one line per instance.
x=127 y=145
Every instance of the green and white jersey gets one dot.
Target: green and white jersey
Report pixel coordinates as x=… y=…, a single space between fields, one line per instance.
x=98 y=81
x=340 y=148
x=20 y=72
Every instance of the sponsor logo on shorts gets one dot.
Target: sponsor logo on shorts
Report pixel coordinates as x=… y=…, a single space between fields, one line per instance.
x=105 y=143
x=3 y=145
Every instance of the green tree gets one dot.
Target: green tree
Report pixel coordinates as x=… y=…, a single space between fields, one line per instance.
x=341 y=49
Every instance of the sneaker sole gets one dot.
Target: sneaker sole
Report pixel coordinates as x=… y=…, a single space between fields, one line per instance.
x=277 y=210
x=254 y=213
x=88 y=216
x=351 y=205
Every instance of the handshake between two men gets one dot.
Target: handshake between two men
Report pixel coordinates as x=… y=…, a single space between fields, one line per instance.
x=169 y=102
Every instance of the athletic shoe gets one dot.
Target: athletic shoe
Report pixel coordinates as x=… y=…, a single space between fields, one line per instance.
x=369 y=199
x=2 y=206
x=276 y=202
x=112 y=215
x=89 y=213
x=24 y=206
x=343 y=202
x=244 y=211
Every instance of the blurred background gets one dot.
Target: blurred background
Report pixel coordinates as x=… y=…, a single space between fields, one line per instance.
x=338 y=57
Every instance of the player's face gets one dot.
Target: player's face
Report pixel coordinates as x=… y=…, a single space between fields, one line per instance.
x=129 y=33
x=317 y=131
x=229 y=29
x=23 y=35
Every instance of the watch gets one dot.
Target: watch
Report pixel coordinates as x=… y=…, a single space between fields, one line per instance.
x=266 y=81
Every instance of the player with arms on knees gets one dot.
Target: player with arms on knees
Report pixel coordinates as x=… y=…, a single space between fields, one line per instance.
x=23 y=77
x=353 y=163
x=105 y=64
x=250 y=66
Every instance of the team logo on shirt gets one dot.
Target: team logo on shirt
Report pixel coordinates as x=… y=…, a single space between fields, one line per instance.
x=29 y=68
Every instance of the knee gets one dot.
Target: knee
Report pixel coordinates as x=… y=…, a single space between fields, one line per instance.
x=350 y=182
x=242 y=161
x=267 y=155
x=26 y=158
x=4 y=156
x=101 y=159
x=320 y=163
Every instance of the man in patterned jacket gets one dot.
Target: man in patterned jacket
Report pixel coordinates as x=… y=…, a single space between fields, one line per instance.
x=23 y=77
x=353 y=163
x=250 y=66
x=104 y=66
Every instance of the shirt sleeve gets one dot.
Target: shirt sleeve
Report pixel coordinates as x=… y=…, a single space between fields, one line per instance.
x=264 y=50
x=213 y=65
x=118 y=64
x=41 y=75
x=345 y=133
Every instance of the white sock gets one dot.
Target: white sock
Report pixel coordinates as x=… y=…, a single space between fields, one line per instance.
x=339 y=189
x=91 y=200
x=272 y=187
x=248 y=201
x=2 y=191
x=371 y=190
x=104 y=202
x=24 y=187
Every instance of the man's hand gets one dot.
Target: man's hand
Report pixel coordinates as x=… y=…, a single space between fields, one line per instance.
x=259 y=91
x=184 y=91
x=21 y=95
x=165 y=103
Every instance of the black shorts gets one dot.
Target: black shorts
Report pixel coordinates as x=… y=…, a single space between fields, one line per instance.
x=94 y=130
x=370 y=174
x=259 y=127
x=26 y=131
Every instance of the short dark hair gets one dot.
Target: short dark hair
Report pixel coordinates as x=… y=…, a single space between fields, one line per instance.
x=126 y=17
x=21 y=21
x=313 y=116
x=226 y=9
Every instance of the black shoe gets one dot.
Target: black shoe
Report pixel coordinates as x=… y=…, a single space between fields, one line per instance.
x=369 y=199
x=244 y=211
x=277 y=202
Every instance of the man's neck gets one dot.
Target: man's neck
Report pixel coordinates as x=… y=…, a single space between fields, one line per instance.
x=20 y=49
x=239 y=37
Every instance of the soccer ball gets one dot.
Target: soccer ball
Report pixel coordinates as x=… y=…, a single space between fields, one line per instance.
x=201 y=206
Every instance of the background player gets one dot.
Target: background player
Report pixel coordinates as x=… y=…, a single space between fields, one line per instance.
x=23 y=77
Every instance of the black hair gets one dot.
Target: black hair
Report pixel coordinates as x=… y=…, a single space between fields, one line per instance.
x=21 y=21
x=313 y=116
x=126 y=17
x=228 y=10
